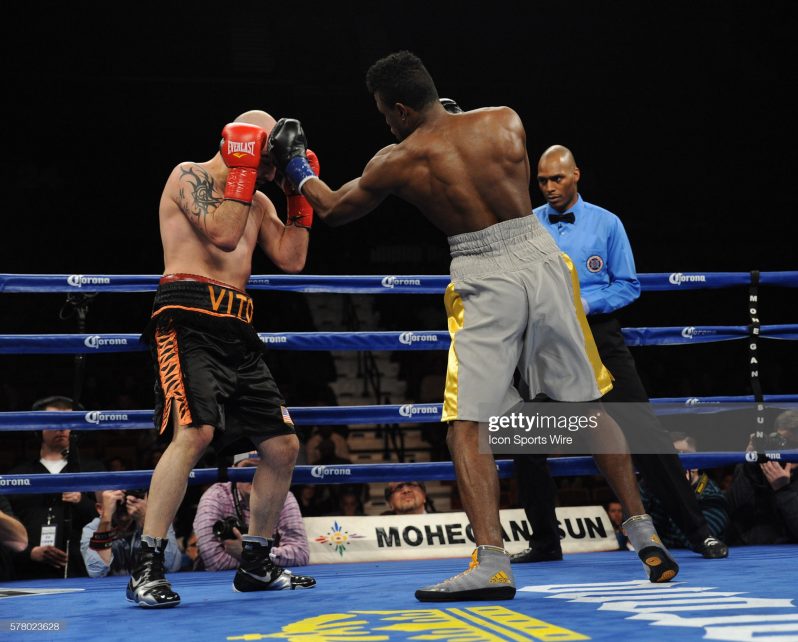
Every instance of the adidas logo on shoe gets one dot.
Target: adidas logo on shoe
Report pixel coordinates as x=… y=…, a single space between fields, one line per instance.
x=500 y=578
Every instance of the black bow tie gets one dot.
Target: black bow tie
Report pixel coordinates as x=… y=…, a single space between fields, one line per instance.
x=566 y=218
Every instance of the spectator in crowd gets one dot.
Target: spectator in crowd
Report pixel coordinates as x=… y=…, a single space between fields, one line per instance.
x=153 y=455
x=13 y=539
x=407 y=498
x=763 y=497
x=223 y=515
x=314 y=501
x=327 y=446
x=53 y=521
x=326 y=453
x=725 y=479
x=109 y=542
x=191 y=560
x=116 y=464
x=615 y=513
x=710 y=500
x=350 y=502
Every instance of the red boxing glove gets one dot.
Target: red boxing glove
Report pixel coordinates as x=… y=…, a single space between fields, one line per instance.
x=241 y=148
x=300 y=211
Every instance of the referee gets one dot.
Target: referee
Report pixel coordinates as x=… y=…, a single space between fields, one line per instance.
x=596 y=242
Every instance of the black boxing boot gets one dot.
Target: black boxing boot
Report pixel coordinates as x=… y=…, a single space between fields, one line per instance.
x=257 y=572
x=148 y=587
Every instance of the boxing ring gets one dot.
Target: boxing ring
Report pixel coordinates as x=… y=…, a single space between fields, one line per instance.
x=750 y=595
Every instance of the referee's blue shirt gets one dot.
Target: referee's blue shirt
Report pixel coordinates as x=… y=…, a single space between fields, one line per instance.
x=600 y=251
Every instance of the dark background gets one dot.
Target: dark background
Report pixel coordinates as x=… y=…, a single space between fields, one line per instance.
x=680 y=115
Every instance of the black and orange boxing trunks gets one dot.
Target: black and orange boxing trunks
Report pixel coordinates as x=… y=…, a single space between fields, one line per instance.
x=209 y=363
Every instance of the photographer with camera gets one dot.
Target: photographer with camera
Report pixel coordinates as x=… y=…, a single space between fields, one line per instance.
x=53 y=520
x=109 y=542
x=223 y=515
x=708 y=496
x=763 y=496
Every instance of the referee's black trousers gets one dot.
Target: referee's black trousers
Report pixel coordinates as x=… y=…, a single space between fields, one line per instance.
x=662 y=472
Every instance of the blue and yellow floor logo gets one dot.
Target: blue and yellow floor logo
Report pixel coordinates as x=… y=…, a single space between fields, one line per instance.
x=472 y=624
x=337 y=537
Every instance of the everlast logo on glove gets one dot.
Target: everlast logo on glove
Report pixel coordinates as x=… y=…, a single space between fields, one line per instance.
x=239 y=149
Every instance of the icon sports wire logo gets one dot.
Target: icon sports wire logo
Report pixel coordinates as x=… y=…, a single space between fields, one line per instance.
x=409 y=338
x=97 y=417
x=677 y=278
x=411 y=410
x=95 y=341
x=391 y=281
x=78 y=280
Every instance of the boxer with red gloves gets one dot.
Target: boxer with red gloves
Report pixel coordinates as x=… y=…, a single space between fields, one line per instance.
x=241 y=149
x=210 y=373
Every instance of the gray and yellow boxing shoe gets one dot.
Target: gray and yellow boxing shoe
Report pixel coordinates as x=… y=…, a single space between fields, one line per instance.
x=659 y=565
x=488 y=577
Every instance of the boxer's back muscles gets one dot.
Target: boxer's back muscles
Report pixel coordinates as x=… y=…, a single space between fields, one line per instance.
x=465 y=172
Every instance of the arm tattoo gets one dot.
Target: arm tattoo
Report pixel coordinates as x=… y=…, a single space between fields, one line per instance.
x=196 y=192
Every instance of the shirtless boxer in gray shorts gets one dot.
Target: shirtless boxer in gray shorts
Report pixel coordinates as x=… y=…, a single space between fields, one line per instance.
x=506 y=279
x=511 y=301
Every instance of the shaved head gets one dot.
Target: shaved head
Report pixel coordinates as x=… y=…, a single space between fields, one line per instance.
x=257 y=117
x=558 y=177
x=266 y=122
x=561 y=155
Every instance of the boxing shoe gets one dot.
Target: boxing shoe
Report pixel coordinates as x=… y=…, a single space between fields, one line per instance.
x=148 y=586
x=257 y=572
x=712 y=548
x=659 y=565
x=488 y=577
x=532 y=555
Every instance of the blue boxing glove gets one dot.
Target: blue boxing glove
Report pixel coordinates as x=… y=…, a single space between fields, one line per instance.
x=287 y=148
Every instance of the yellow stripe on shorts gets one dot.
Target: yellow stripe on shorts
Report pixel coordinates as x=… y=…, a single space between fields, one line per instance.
x=602 y=375
x=455 y=312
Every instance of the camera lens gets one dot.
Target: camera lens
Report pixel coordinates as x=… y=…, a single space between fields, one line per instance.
x=219 y=528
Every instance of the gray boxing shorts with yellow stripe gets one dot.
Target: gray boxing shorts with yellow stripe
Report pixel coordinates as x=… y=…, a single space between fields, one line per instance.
x=514 y=301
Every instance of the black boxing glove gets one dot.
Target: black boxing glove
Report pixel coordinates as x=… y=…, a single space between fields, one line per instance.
x=451 y=106
x=287 y=147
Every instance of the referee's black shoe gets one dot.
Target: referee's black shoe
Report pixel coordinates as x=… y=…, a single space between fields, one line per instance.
x=530 y=555
x=712 y=548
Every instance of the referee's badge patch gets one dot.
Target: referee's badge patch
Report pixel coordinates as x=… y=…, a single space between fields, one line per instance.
x=595 y=263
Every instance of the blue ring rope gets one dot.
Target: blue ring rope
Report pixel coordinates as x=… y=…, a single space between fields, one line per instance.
x=338 y=474
x=371 y=284
x=393 y=341
x=340 y=415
